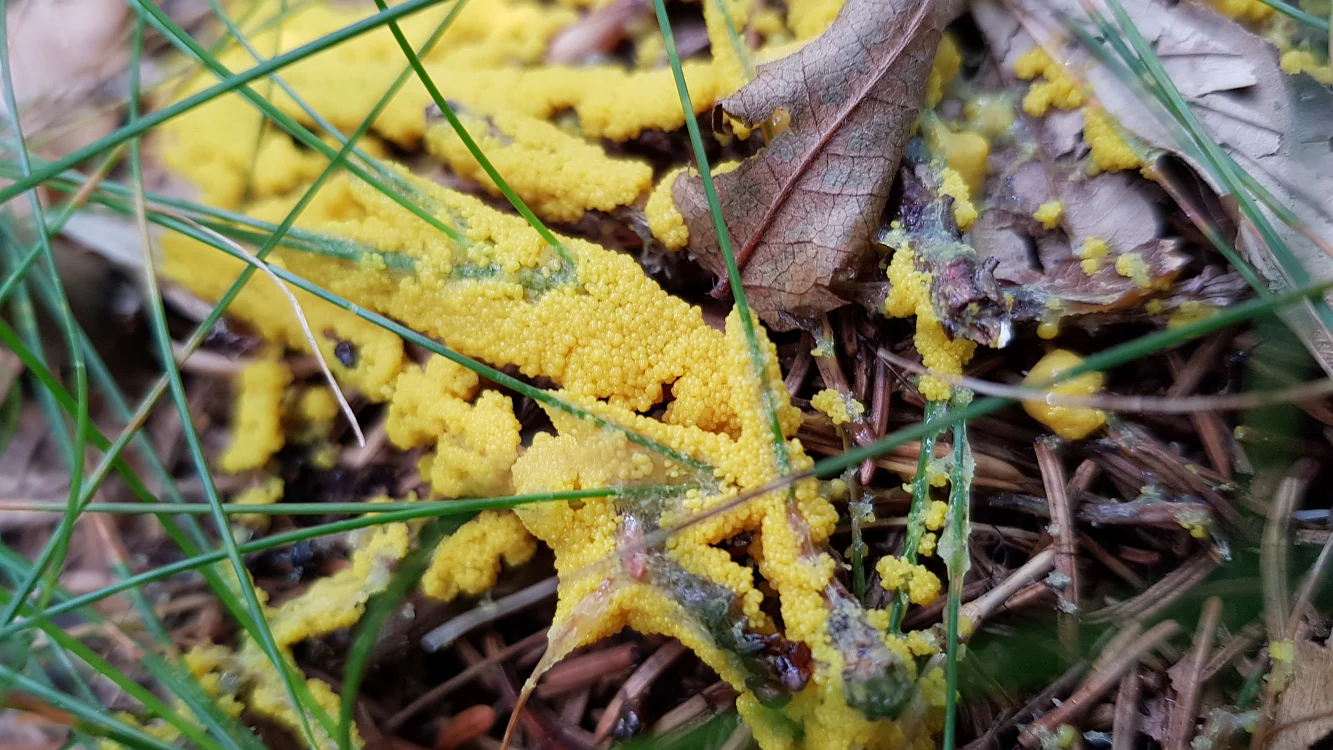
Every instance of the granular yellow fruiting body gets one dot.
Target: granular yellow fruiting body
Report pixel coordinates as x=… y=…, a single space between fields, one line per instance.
x=664 y=219
x=1110 y=152
x=910 y=295
x=1133 y=267
x=1303 y=61
x=1049 y=214
x=897 y=574
x=317 y=406
x=936 y=514
x=1093 y=252
x=338 y=600
x=953 y=185
x=266 y=492
x=257 y=418
x=966 y=153
x=1069 y=422
x=1250 y=11
x=469 y=560
x=1058 y=88
x=560 y=176
x=837 y=408
x=947 y=63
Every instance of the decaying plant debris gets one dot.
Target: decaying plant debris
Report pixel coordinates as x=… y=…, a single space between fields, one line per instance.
x=621 y=372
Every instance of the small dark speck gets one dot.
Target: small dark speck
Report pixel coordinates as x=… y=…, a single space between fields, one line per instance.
x=346 y=353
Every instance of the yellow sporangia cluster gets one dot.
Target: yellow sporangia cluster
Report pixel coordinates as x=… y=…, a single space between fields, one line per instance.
x=257 y=417
x=559 y=175
x=578 y=316
x=469 y=560
x=475 y=440
x=1057 y=88
x=1060 y=89
x=838 y=408
x=1069 y=422
x=910 y=295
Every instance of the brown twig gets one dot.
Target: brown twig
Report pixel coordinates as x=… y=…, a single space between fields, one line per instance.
x=437 y=693
x=1185 y=710
x=1125 y=727
x=477 y=616
x=632 y=691
x=1065 y=536
x=1108 y=670
x=1162 y=594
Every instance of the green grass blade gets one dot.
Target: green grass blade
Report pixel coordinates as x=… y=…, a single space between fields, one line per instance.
x=916 y=515
x=1291 y=11
x=954 y=548
x=93 y=718
x=768 y=398
x=259 y=630
x=67 y=329
x=413 y=511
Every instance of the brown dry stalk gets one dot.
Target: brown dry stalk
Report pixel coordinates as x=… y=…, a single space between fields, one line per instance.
x=638 y=683
x=1162 y=594
x=976 y=611
x=1064 y=533
x=1125 y=729
x=1180 y=729
x=1108 y=670
x=438 y=692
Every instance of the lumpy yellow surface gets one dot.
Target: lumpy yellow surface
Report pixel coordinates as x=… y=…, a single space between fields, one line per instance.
x=836 y=407
x=559 y=175
x=469 y=560
x=1303 y=61
x=581 y=320
x=910 y=295
x=1049 y=214
x=1110 y=152
x=1252 y=11
x=257 y=418
x=1069 y=422
x=1057 y=88
x=1093 y=251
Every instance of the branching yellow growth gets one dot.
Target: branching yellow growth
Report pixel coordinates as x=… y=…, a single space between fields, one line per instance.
x=910 y=295
x=560 y=176
x=953 y=185
x=1069 y=422
x=1057 y=88
x=1110 y=152
x=839 y=409
x=468 y=561
x=664 y=219
x=896 y=574
x=1049 y=214
x=613 y=342
x=1250 y=11
x=475 y=443
x=257 y=420
x=267 y=492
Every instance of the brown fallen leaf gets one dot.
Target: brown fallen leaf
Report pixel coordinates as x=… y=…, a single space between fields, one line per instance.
x=1267 y=121
x=803 y=211
x=1303 y=718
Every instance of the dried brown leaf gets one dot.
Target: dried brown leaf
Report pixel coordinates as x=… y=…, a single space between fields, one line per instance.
x=803 y=211
x=1267 y=121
